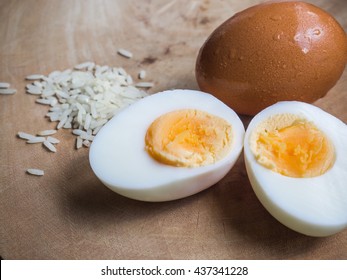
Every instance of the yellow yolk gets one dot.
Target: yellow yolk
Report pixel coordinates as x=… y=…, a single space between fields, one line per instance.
x=295 y=150
x=188 y=138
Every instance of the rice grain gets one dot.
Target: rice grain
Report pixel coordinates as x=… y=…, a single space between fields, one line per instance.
x=47 y=132
x=53 y=140
x=125 y=53
x=36 y=172
x=87 y=121
x=34 y=77
x=86 y=136
x=36 y=140
x=25 y=135
x=77 y=132
x=4 y=85
x=144 y=85
x=7 y=91
x=32 y=89
x=79 y=142
x=49 y=146
x=142 y=74
x=43 y=101
x=83 y=65
x=86 y=143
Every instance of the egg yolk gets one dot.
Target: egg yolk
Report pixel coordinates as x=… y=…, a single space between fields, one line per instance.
x=296 y=150
x=188 y=138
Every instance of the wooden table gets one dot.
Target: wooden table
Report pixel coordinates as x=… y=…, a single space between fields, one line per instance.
x=68 y=213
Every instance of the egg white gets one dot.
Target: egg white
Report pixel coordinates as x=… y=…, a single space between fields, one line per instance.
x=314 y=206
x=119 y=159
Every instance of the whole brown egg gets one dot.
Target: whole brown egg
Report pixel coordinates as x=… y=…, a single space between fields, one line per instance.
x=272 y=52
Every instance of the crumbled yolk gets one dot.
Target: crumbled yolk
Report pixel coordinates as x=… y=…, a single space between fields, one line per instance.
x=188 y=138
x=295 y=150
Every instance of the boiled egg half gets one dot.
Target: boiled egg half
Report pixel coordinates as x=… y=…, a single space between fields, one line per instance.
x=167 y=146
x=296 y=160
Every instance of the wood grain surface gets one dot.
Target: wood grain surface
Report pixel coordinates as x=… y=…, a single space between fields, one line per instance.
x=69 y=213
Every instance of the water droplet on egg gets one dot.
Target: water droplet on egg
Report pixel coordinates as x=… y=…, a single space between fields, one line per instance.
x=276 y=37
x=316 y=32
x=305 y=50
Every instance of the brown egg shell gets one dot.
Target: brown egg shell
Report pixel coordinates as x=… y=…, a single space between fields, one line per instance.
x=272 y=52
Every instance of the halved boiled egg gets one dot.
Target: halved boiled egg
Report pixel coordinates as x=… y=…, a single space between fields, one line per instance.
x=296 y=160
x=167 y=146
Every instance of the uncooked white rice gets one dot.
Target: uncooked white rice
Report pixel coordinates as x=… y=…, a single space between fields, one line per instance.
x=4 y=85
x=87 y=121
x=79 y=142
x=36 y=140
x=86 y=143
x=52 y=140
x=142 y=74
x=68 y=123
x=34 y=171
x=77 y=132
x=86 y=136
x=129 y=79
x=125 y=53
x=96 y=130
x=49 y=146
x=43 y=101
x=25 y=135
x=62 y=122
x=54 y=74
x=144 y=85
x=87 y=65
x=34 y=77
x=47 y=132
x=6 y=91
x=32 y=89
x=85 y=98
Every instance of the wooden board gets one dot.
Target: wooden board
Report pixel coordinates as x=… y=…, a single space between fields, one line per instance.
x=68 y=213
